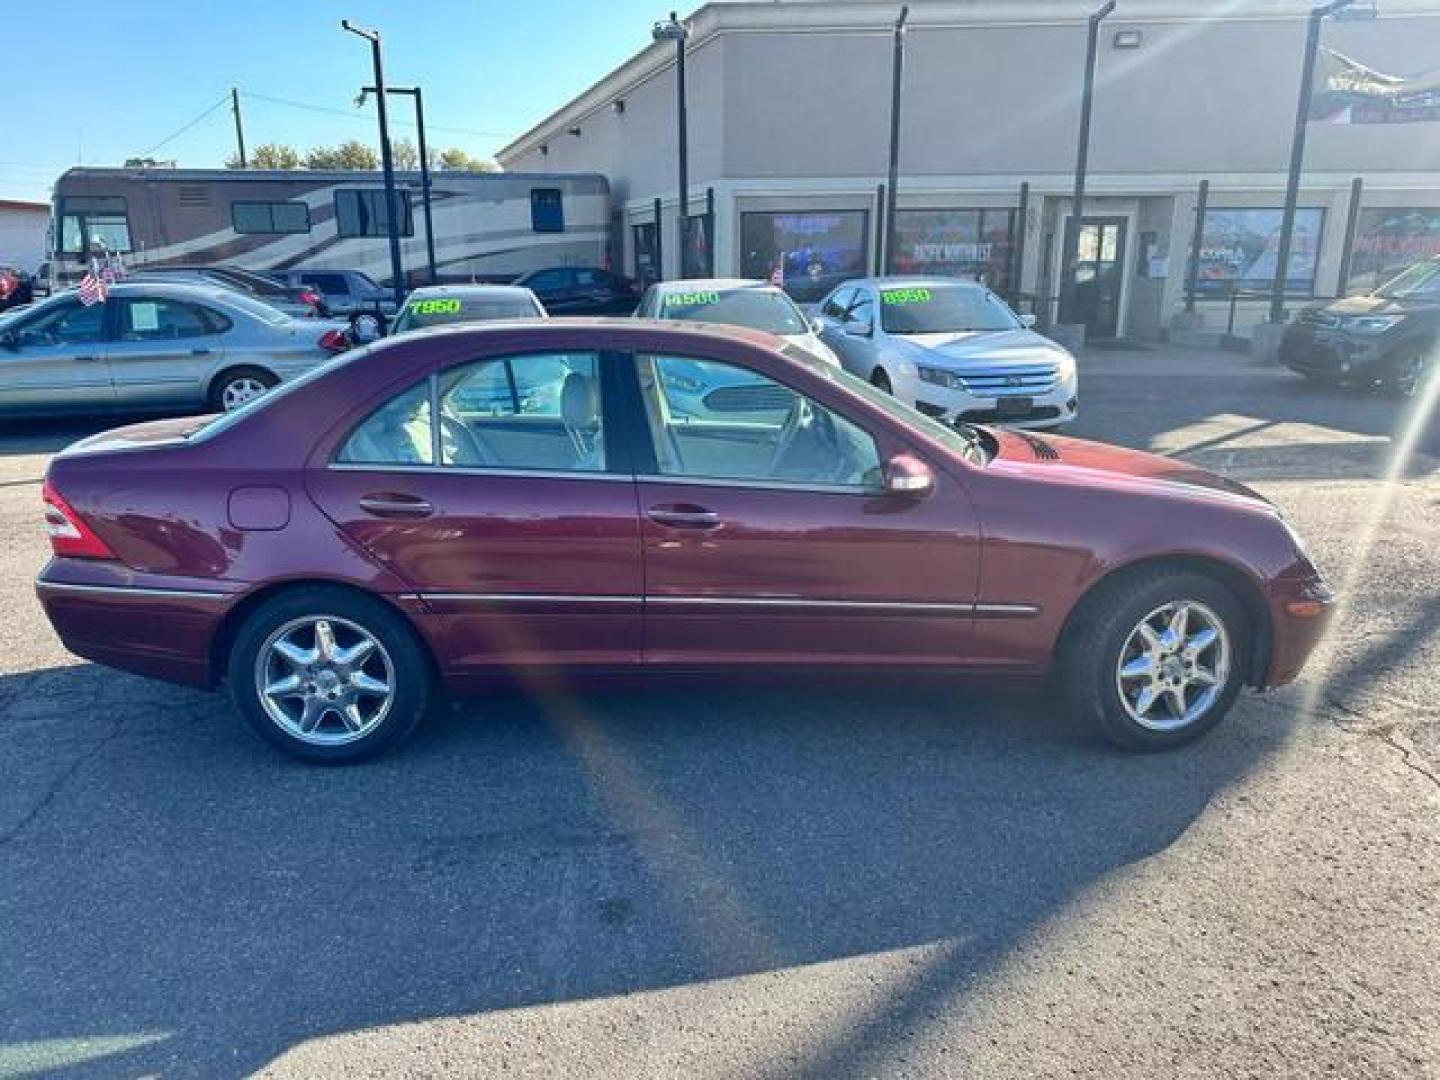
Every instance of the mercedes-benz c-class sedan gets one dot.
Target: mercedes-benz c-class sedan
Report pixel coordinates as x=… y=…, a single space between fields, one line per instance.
x=345 y=548
x=951 y=349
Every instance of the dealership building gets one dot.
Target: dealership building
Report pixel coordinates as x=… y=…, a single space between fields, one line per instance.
x=789 y=105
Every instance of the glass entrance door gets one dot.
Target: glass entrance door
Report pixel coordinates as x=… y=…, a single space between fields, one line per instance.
x=1099 y=272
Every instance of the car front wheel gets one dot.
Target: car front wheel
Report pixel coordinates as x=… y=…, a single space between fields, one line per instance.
x=1408 y=371
x=1156 y=659
x=328 y=675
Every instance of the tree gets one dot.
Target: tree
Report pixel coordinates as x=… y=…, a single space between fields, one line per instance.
x=348 y=155
x=268 y=156
x=456 y=159
x=404 y=154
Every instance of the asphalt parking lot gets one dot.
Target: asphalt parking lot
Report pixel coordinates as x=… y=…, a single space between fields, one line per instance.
x=860 y=879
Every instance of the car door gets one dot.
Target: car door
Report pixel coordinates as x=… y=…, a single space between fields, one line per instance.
x=164 y=351
x=833 y=313
x=513 y=517
x=53 y=360
x=858 y=353
x=767 y=536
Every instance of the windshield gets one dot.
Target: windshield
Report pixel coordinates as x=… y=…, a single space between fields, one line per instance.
x=758 y=309
x=1422 y=279
x=258 y=308
x=940 y=309
x=366 y=280
x=968 y=441
x=440 y=310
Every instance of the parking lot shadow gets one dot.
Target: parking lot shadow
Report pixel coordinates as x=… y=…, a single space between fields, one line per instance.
x=175 y=897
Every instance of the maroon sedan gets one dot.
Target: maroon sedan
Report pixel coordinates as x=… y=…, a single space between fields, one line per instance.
x=457 y=503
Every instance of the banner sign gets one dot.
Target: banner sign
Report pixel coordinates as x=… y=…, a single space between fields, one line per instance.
x=1348 y=92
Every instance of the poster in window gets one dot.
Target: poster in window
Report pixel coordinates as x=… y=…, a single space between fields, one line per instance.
x=818 y=249
x=970 y=244
x=1389 y=240
x=1239 y=249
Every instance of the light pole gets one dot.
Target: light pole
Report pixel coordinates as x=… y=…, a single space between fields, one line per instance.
x=675 y=30
x=414 y=91
x=1297 y=157
x=386 y=162
x=897 y=71
x=1082 y=163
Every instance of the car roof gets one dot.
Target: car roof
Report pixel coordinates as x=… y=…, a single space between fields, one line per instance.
x=607 y=328
x=515 y=292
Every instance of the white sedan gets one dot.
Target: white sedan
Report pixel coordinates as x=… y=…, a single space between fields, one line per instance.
x=757 y=305
x=951 y=349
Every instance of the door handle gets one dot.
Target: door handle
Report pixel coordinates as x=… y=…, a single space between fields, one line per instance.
x=685 y=517
x=86 y=359
x=200 y=352
x=391 y=504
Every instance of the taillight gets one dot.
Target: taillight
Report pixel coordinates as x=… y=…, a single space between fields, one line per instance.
x=311 y=298
x=69 y=535
x=334 y=341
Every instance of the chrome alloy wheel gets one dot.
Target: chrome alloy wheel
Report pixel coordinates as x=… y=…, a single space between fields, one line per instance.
x=237 y=392
x=1173 y=666
x=324 y=680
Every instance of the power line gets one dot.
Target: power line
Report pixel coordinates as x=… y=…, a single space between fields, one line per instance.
x=172 y=137
x=357 y=116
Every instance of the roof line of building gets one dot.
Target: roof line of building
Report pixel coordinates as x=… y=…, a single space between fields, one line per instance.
x=23 y=204
x=876 y=16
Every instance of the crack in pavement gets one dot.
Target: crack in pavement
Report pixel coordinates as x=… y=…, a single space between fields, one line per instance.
x=1386 y=733
x=60 y=782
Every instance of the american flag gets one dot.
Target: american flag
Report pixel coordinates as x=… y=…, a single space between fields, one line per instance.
x=777 y=276
x=9 y=282
x=112 y=270
x=91 y=290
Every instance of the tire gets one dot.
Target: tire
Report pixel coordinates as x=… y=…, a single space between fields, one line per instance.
x=881 y=381
x=1407 y=370
x=1106 y=633
x=234 y=387
x=327 y=684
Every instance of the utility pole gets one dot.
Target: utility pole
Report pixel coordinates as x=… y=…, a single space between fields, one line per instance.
x=676 y=31
x=1297 y=157
x=387 y=163
x=239 y=126
x=414 y=92
x=897 y=71
x=1082 y=163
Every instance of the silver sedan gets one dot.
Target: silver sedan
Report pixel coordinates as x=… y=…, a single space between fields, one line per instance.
x=154 y=347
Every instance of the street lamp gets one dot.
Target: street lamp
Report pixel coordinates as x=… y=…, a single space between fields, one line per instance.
x=1082 y=162
x=675 y=30
x=386 y=163
x=414 y=91
x=897 y=72
x=1297 y=157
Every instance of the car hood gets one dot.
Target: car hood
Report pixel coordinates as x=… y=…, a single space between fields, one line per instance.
x=149 y=433
x=1102 y=465
x=993 y=347
x=1351 y=306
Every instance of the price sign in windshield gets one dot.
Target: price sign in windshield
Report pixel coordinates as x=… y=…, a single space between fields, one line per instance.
x=450 y=306
x=691 y=299
x=904 y=296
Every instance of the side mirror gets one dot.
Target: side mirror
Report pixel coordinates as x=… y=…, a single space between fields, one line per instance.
x=817 y=325
x=859 y=328
x=908 y=477
x=1027 y=320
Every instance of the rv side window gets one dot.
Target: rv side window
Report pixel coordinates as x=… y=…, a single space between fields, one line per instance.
x=96 y=223
x=362 y=212
x=547 y=210
x=270 y=217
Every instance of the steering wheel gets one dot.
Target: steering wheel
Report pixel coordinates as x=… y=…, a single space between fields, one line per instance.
x=470 y=448
x=800 y=417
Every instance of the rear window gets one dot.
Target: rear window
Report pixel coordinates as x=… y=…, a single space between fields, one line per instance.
x=258 y=308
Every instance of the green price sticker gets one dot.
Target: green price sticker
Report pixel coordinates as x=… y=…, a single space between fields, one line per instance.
x=691 y=299
x=436 y=307
x=905 y=296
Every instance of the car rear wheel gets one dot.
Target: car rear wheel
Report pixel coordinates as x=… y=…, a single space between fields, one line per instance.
x=881 y=381
x=328 y=675
x=238 y=386
x=1155 y=660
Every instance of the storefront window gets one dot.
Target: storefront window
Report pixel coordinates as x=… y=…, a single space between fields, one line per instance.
x=972 y=244
x=1388 y=240
x=695 y=254
x=1239 y=249
x=817 y=249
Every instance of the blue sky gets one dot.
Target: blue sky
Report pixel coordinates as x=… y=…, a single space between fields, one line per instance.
x=106 y=81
